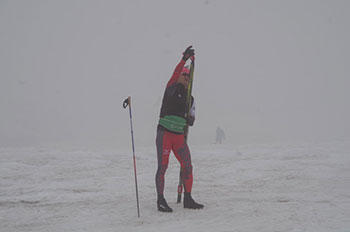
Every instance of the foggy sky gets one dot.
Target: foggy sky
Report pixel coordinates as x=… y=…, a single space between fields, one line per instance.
x=265 y=71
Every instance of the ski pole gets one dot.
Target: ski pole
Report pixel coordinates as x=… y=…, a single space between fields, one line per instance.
x=126 y=103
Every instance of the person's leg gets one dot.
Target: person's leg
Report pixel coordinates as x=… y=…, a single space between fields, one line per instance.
x=183 y=155
x=163 y=150
x=163 y=143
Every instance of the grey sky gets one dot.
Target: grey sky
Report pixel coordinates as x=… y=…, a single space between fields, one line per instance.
x=265 y=70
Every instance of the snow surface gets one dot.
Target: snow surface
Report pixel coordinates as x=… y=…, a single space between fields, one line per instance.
x=265 y=187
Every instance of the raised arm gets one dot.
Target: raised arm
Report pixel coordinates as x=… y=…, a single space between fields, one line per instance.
x=177 y=72
x=186 y=55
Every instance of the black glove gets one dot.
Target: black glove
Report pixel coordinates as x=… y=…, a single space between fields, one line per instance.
x=188 y=53
x=190 y=120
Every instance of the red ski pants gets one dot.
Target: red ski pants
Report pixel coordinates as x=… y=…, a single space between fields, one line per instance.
x=167 y=142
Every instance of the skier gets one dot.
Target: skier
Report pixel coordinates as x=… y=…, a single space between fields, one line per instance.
x=220 y=135
x=170 y=133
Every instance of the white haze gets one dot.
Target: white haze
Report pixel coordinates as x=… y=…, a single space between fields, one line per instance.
x=265 y=70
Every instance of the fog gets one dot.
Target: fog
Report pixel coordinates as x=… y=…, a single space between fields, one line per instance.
x=266 y=71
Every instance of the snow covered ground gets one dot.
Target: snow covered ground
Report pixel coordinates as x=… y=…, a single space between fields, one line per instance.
x=283 y=187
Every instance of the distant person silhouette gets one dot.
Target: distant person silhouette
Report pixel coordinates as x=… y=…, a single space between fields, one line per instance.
x=220 y=135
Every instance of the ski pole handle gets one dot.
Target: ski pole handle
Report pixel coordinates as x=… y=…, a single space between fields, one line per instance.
x=127 y=102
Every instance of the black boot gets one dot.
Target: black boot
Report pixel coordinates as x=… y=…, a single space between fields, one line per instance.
x=163 y=205
x=189 y=203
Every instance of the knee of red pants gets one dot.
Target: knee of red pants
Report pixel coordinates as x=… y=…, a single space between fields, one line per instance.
x=187 y=169
x=165 y=157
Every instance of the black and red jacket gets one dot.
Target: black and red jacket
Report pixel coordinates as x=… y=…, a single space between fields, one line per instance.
x=175 y=95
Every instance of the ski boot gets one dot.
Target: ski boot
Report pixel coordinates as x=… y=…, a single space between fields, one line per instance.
x=189 y=203
x=163 y=205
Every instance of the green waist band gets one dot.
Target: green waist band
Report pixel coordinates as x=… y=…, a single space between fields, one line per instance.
x=173 y=123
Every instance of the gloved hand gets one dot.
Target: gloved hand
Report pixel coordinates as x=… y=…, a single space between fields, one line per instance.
x=189 y=52
x=191 y=116
x=190 y=120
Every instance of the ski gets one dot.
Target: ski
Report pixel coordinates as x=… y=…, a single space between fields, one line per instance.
x=188 y=102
